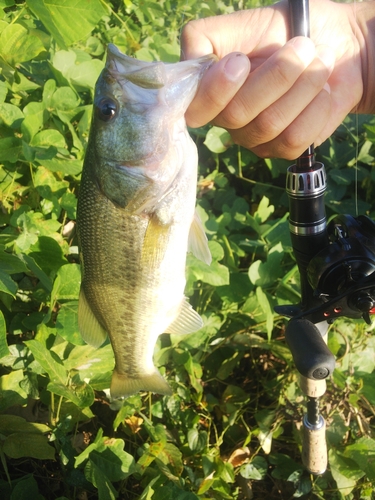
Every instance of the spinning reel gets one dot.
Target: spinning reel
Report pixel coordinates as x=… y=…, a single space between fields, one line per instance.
x=336 y=262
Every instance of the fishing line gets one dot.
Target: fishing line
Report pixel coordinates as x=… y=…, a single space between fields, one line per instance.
x=356 y=165
x=183 y=18
x=356 y=126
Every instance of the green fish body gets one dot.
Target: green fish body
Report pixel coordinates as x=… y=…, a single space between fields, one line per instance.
x=136 y=215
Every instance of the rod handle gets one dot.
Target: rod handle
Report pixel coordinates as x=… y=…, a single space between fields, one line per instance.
x=299 y=18
x=310 y=353
x=314 y=447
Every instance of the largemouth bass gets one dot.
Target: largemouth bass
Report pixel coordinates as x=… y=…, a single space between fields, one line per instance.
x=136 y=215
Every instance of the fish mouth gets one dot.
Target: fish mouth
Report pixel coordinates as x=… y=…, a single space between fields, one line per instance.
x=148 y=75
x=156 y=74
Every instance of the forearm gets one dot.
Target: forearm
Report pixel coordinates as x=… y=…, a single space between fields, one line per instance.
x=363 y=22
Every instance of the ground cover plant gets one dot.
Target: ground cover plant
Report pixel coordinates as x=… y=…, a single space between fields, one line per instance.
x=231 y=429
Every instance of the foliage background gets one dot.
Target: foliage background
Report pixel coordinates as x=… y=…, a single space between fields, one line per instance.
x=231 y=429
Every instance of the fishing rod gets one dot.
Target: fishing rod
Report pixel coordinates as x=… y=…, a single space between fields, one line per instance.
x=336 y=263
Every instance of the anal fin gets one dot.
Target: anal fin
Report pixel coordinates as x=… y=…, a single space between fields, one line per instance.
x=91 y=330
x=188 y=321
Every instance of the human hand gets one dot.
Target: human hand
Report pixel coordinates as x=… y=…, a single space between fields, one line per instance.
x=277 y=97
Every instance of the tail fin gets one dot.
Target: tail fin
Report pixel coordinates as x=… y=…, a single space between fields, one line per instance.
x=124 y=386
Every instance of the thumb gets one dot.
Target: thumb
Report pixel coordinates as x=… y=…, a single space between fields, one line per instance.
x=218 y=86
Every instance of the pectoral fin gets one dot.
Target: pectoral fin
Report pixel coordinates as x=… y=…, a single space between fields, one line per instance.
x=154 y=243
x=198 y=244
x=188 y=321
x=91 y=330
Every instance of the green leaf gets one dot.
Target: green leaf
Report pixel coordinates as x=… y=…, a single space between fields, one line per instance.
x=43 y=356
x=12 y=424
x=197 y=440
x=114 y=461
x=33 y=445
x=7 y=285
x=10 y=149
x=65 y=166
x=37 y=271
x=257 y=469
x=228 y=365
x=49 y=137
x=25 y=489
x=4 y=349
x=90 y=362
x=82 y=395
x=47 y=254
x=214 y=274
x=35 y=115
x=218 y=140
x=33 y=224
x=11 y=115
x=11 y=392
x=107 y=462
x=195 y=372
x=3 y=91
x=284 y=466
x=69 y=203
x=68 y=20
x=84 y=76
x=18 y=45
x=267 y=309
x=344 y=472
x=100 y=481
x=67 y=323
x=265 y=273
x=65 y=99
x=363 y=453
x=67 y=283
x=264 y=210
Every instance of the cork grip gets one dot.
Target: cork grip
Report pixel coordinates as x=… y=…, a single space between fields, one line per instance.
x=314 y=447
x=312 y=388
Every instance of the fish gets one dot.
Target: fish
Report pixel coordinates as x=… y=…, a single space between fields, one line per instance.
x=136 y=215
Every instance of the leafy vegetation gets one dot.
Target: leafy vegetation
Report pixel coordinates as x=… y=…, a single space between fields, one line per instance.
x=231 y=429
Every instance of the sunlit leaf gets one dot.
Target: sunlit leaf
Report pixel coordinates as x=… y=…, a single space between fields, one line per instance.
x=67 y=283
x=68 y=20
x=11 y=115
x=67 y=323
x=18 y=45
x=4 y=349
x=50 y=365
x=344 y=472
x=218 y=140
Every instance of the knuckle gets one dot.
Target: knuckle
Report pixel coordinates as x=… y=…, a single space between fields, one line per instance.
x=294 y=141
x=316 y=79
x=280 y=75
x=189 y=29
x=236 y=115
x=268 y=125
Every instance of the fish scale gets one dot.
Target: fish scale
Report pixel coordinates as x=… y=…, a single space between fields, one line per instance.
x=135 y=215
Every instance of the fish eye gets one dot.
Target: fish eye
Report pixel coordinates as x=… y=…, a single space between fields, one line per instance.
x=106 y=109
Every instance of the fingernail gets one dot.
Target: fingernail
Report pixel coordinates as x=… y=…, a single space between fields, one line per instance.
x=304 y=48
x=327 y=56
x=237 y=67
